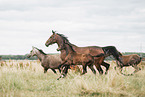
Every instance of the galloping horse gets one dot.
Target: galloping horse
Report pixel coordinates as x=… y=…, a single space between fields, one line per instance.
x=92 y=50
x=47 y=60
x=129 y=60
x=74 y=58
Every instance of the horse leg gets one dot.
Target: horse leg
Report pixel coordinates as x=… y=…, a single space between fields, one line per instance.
x=136 y=68
x=60 y=67
x=59 y=70
x=106 y=66
x=92 y=68
x=120 y=69
x=84 y=69
x=98 y=67
x=64 y=71
x=53 y=70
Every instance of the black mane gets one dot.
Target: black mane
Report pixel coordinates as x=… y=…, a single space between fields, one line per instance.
x=66 y=41
x=41 y=51
x=63 y=37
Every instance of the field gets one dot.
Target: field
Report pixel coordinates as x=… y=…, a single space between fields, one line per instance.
x=26 y=79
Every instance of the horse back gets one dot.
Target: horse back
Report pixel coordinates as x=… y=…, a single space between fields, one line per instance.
x=52 y=61
x=92 y=50
x=131 y=59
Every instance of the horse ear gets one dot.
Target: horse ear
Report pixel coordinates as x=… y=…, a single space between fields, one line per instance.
x=33 y=47
x=53 y=32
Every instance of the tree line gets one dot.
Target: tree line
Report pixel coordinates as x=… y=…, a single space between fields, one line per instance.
x=23 y=57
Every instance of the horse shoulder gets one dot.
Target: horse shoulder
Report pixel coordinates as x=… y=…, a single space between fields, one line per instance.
x=45 y=62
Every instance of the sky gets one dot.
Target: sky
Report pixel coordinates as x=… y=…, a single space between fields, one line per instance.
x=27 y=23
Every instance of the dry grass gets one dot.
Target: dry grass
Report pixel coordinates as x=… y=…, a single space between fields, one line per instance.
x=26 y=79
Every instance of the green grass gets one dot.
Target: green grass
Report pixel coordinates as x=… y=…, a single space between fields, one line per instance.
x=30 y=81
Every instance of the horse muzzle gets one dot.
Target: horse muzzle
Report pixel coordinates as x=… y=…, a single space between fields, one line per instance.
x=46 y=44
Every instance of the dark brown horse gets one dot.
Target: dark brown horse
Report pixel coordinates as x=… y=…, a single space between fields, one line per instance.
x=74 y=58
x=129 y=60
x=92 y=50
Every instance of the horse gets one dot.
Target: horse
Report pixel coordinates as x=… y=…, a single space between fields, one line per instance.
x=47 y=61
x=129 y=60
x=74 y=58
x=92 y=50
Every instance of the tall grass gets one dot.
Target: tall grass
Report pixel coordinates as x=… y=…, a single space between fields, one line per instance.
x=26 y=79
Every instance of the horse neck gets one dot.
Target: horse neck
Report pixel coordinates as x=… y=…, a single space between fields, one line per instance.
x=40 y=55
x=69 y=49
x=60 y=42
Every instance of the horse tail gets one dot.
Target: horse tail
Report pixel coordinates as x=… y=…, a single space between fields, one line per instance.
x=99 y=55
x=111 y=50
x=120 y=53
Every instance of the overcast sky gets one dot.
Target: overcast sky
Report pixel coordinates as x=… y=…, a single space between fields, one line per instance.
x=27 y=23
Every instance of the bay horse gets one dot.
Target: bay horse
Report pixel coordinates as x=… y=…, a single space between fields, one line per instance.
x=47 y=61
x=129 y=60
x=74 y=58
x=92 y=50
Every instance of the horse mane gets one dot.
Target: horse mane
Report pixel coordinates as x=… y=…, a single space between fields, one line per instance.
x=65 y=39
x=41 y=51
x=70 y=47
x=120 y=53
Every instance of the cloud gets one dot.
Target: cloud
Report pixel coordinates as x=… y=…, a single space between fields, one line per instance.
x=25 y=23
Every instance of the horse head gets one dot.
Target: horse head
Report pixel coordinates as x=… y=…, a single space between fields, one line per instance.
x=57 y=38
x=52 y=39
x=32 y=52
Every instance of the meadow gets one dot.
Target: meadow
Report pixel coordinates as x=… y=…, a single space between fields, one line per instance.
x=25 y=78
